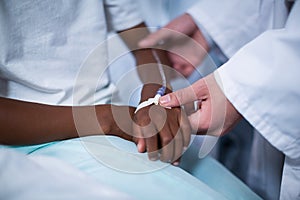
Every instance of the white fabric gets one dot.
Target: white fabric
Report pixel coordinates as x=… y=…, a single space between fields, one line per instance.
x=291 y=179
x=44 y=43
x=233 y=23
x=262 y=82
x=115 y=163
x=42 y=177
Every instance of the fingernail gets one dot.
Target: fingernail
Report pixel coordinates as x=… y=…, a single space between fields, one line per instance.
x=165 y=99
x=176 y=163
x=139 y=146
x=153 y=158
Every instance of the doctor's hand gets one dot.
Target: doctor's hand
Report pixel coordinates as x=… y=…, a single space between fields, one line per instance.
x=163 y=133
x=184 y=42
x=215 y=115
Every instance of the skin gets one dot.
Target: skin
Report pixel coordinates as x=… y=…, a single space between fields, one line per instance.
x=184 y=41
x=22 y=123
x=163 y=133
x=216 y=115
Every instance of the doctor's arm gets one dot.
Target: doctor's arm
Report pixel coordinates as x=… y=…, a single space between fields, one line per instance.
x=24 y=123
x=253 y=84
x=159 y=129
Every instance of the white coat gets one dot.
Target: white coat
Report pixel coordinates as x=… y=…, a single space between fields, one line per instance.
x=262 y=38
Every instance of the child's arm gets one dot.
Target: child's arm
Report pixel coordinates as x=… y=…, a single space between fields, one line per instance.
x=31 y=123
x=166 y=128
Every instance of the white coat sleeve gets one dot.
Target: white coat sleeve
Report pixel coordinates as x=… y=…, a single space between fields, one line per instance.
x=262 y=82
x=122 y=14
x=233 y=23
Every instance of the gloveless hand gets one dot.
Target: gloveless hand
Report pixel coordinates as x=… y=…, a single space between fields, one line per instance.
x=184 y=42
x=215 y=116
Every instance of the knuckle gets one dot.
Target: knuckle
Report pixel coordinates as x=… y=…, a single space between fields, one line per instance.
x=166 y=140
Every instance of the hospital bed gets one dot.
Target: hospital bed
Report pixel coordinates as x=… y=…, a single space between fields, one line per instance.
x=115 y=163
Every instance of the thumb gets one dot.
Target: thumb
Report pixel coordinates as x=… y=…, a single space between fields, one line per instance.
x=197 y=91
x=178 y=98
x=157 y=38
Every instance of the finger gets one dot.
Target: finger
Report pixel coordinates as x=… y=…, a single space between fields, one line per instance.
x=178 y=144
x=200 y=121
x=177 y=162
x=151 y=142
x=156 y=38
x=188 y=70
x=185 y=129
x=197 y=91
x=141 y=145
x=178 y=98
x=138 y=138
x=167 y=144
x=194 y=120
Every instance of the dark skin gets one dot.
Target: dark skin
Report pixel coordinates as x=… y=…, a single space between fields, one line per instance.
x=168 y=133
x=22 y=123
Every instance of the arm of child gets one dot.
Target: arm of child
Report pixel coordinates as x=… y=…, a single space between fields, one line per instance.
x=167 y=132
x=24 y=123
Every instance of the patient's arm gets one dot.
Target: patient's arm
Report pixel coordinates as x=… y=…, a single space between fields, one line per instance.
x=165 y=126
x=24 y=123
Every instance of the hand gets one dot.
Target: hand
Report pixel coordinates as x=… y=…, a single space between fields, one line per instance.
x=215 y=116
x=112 y=121
x=164 y=133
x=184 y=42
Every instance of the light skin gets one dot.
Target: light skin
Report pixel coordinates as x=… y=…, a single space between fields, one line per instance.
x=184 y=42
x=24 y=123
x=216 y=115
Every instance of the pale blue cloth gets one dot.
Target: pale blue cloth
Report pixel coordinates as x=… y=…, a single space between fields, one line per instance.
x=115 y=163
x=40 y=177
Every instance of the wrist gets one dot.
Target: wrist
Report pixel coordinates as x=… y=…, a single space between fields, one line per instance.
x=117 y=121
x=105 y=119
x=150 y=90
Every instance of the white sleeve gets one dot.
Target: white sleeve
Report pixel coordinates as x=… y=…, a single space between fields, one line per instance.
x=262 y=82
x=122 y=14
x=233 y=23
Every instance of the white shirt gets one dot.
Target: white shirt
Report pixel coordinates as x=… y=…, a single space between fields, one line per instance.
x=45 y=43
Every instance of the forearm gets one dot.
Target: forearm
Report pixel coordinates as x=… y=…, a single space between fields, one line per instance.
x=150 y=74
x=31 y=123
x=145 y=60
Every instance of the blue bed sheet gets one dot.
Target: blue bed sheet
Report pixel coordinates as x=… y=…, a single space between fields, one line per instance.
x=115 y=162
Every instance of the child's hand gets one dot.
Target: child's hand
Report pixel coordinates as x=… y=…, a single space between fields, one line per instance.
x=164 y=133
